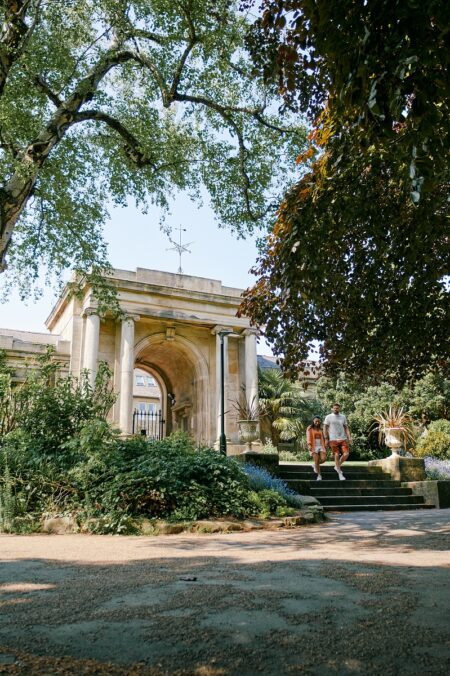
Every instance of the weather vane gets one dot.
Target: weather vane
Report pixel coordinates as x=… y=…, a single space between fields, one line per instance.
x=179 y=247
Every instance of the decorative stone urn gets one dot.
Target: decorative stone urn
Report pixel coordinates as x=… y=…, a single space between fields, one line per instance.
x=248 y=432
x=393 y=438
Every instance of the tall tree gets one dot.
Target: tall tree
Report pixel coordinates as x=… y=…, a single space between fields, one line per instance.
x=105 y=100
x=360 y=256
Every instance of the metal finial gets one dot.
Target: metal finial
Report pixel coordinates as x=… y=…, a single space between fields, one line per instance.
x=179 y=247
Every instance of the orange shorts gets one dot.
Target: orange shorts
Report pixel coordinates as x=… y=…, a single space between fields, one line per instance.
x=340 y=446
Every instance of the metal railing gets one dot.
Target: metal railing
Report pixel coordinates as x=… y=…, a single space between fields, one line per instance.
x=148 y=423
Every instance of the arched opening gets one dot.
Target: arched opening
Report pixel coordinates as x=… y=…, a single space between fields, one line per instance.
x=181 y=373
x=148 y=404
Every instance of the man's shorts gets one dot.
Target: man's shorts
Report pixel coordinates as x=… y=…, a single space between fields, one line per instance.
x=339 y=446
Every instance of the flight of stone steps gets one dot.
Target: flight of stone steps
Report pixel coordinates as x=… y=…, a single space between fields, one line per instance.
x=365 y=489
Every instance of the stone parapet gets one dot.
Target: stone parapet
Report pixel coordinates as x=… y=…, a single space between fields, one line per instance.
x=268 y=461
x=401 y=468
x=435 y=493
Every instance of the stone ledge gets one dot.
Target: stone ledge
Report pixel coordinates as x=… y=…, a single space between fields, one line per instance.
x=435 y=493
x=312 y=512
x=401 y=468
x=268 y=461
x=308 y=515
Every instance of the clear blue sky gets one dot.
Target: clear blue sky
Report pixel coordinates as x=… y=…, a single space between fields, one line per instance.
x=135 y=240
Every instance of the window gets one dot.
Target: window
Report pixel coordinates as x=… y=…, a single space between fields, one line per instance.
x=144 y=407
x=140 y=380
x=150 y=381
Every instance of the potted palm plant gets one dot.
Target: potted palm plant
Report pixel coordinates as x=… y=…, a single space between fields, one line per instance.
x=395 y=427
x=247 y=414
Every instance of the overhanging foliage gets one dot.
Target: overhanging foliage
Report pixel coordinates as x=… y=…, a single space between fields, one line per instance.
x=109 y=100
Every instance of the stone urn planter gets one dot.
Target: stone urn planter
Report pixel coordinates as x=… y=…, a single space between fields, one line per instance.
x=395 y=429
x=393 y=438
x=248 y=432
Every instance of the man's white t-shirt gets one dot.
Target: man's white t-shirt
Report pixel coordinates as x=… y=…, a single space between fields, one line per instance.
x=336 y=422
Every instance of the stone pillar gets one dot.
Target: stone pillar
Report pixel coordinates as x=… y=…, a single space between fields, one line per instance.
x=126 y=374
x=217 y=330
x=251 y=366
x=91 y=342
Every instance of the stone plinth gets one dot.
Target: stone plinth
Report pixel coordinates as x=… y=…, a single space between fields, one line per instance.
x=402 y=469
x=435 y=493
x=268 y=461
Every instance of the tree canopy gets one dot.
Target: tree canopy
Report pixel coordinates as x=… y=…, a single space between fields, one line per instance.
x=360 y=255
x=102 y=101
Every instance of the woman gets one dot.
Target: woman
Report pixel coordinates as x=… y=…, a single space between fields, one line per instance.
x=316 y=444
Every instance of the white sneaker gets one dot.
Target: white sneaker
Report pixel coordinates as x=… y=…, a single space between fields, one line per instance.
x=319 y=477
x=314 y=469
x=340 y=475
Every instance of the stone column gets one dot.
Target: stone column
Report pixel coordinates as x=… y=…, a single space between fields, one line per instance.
x=251 y=366
x=216 y=330
x=126 y=374
x=91 y=341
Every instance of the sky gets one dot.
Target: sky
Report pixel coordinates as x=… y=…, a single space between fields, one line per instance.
x=136 y=240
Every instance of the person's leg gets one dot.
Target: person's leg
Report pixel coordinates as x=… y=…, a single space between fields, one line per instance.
x=316 y=463
x=336 y=448
x=322 y=457
x=335 y=451
x=337 y=463
x=345 y=453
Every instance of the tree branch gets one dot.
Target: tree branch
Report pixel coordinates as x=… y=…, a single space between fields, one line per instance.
x=225 y=112
x=45 y=87
x=252 y=112
x=132 y=146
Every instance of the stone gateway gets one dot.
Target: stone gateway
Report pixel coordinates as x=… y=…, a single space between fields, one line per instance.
x=169 y=330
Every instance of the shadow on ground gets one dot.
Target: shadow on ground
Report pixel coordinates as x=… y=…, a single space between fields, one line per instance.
x=271 y=603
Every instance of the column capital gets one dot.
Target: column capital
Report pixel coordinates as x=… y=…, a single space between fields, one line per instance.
x=89 y=311
x=251 y=331
x=130 y=317
x=218 y=329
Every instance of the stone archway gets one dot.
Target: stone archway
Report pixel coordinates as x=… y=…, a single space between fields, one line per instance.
x=183 y=376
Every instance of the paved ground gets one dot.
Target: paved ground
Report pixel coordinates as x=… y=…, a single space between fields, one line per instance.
x=366 y=593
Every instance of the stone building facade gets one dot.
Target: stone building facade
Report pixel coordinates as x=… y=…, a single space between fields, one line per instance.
x=170 y=330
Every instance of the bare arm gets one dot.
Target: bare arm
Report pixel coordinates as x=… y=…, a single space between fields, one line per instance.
x=347 y=432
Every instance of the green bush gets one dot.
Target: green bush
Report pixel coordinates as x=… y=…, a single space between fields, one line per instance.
x=59 y=455
x=440 y=425
x=433 y=444
x=266 y=502
x=174 y=480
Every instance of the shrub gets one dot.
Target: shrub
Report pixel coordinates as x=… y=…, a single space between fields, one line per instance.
x=173 y=479
x=52 y=409
x=435 y=443
x=266 y=502
x=440 y=425
x=260 y=479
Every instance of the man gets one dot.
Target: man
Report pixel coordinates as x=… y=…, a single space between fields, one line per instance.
x=337 y=437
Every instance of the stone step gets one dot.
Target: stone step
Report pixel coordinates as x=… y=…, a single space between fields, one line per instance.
x=348 y=483
x=370 y=499
x=307 y=467
x=373 y=508
x=328 y=476
x=318 y=491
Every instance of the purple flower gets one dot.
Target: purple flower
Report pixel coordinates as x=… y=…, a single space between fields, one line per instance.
x=437 y=470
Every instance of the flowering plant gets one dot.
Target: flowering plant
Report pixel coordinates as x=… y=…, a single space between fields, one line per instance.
x=437 y=470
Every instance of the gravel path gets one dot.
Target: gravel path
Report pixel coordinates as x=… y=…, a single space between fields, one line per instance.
x=365 y=593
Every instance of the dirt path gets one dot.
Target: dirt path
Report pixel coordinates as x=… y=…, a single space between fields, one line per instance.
x=365 y=593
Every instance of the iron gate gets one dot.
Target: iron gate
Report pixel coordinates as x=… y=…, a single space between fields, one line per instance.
x=149 y=424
